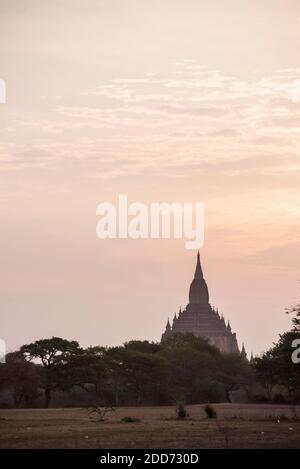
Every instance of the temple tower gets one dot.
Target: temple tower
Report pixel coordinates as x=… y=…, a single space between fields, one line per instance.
x=200 y=319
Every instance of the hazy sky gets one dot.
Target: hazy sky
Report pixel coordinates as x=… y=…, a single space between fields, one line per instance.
x=164 y=100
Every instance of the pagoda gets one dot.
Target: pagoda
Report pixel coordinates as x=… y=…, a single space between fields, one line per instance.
x=201 y=319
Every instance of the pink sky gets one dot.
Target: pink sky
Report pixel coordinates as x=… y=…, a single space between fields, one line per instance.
x=165 y=101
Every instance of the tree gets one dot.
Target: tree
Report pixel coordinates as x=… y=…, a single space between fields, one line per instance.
x=266 y=372
x=199 y=372
x=21 y=377
x=134 y=375
x=145 y=373
x=143 y=346
x=276 y=365
x=89 y=368
x=57 y=356
x=235 y=373
x=296 y=320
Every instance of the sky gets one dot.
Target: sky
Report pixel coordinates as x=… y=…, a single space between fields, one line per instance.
x=165 y=101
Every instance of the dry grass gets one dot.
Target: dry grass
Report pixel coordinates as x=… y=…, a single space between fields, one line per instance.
x=237 y=426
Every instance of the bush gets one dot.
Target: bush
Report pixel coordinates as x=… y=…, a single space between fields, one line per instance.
x=129 y=419
x=181 y=411
x=210 y=412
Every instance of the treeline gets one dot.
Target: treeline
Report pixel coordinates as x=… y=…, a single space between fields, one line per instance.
x=183 y=369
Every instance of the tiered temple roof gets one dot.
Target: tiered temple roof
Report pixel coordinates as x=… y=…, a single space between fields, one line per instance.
x=201 y=319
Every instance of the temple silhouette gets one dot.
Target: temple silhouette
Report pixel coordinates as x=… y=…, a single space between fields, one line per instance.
x=201 y=319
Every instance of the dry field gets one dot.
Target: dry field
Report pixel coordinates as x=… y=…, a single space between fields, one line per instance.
x=237 y=426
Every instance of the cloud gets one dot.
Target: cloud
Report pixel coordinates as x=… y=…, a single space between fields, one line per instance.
x=187 y=117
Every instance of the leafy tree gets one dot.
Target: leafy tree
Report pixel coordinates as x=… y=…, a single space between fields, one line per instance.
x=266 y=372
x=276 y=365
x=89 y=368
x=199 y=372
x=145 y=374
x=143 y=346
x=56 y=355
x=134 y=373
x=295 y=310
x=235 y=373
x=21 y=377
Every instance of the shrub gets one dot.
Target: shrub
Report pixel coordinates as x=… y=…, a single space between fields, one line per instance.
x=210 y=412
x=181 y=411
x=129 y=419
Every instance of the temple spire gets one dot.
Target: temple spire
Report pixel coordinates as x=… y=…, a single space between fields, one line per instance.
x=198 y=271
x=243 y=352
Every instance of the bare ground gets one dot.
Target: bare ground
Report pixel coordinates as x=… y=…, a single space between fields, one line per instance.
x=237 y=426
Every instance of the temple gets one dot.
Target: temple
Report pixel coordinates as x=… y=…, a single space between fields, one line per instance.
x=201 y=319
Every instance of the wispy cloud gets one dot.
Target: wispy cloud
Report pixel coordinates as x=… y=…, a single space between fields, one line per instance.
x=196 y=115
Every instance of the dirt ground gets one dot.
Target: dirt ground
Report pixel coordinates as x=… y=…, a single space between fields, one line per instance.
x=236 y=426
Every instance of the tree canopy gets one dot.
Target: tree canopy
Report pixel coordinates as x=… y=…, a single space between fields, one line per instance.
x=184 y=368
